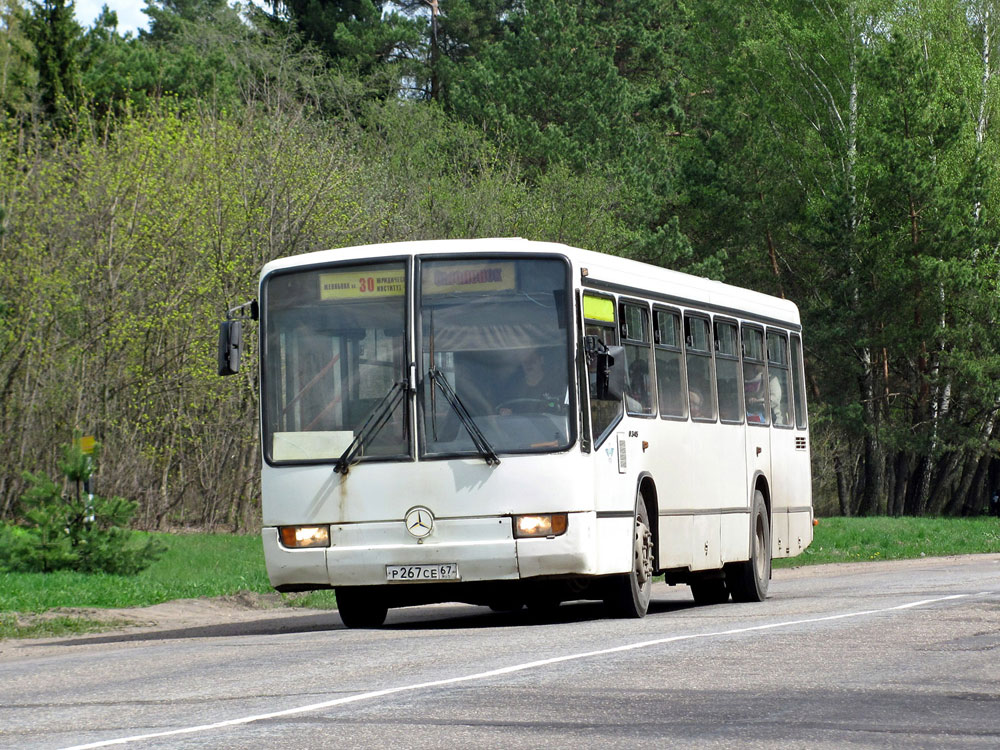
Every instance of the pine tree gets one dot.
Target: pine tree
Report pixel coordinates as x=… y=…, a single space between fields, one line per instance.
x=74 y=530
x=57 y=39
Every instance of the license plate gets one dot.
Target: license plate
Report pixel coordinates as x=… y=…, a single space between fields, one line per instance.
x=443 y=572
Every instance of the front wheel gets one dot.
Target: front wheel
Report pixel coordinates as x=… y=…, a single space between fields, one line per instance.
x=629 y=593
x=748 y=581
x=361 y=607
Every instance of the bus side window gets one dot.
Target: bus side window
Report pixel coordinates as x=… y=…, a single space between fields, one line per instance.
x=754 y=376
x=669 y=372
x=599 y=320
x=727 y=371
x=636 y=340
x=779 y=382
x=698 y=351
x=798 y=384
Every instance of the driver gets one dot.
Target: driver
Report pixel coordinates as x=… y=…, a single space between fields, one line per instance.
x=533 y=387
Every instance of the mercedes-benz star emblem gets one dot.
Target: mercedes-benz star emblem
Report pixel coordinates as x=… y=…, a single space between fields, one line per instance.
x=419 y=522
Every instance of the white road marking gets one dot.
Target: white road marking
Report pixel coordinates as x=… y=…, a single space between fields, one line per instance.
x=510 y=670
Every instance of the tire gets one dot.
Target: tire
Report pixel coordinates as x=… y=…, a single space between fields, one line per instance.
x=628 y=594
x=361 y=607
x=711 y=591
x=748 y=581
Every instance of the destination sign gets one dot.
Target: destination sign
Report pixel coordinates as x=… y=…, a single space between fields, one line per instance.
x=437 y=279
x=364 y=284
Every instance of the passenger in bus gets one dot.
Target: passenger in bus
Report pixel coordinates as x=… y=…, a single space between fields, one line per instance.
x=699 y=409
x=754 y=393
x=534 y=387
x=637 y=395
x=774 y=392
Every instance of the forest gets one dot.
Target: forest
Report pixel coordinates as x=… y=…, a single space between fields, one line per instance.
x=839 y=153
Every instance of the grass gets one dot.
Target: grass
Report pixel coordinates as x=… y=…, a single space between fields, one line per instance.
x=193 y=566
x=12 y=627
x=208 y=565
x=884 y=538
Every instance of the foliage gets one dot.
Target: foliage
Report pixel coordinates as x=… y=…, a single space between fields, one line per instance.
x=19 y=77
x=607 y=110
x=75 y=530
x=879 y=217
x=842 y=154
x=55 y=36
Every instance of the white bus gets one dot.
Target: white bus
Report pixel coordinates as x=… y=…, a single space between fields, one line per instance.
x=513 y=423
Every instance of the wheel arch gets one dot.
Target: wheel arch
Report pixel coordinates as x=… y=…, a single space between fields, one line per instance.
x=646 y=488
x=759 y=482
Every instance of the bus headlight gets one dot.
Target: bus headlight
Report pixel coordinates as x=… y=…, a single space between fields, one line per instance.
x=304 y=536
x=550 y=524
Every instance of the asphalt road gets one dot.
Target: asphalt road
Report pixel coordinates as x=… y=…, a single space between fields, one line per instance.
x=886 y=655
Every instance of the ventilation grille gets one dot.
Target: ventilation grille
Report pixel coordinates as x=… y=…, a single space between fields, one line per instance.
x=800 y=443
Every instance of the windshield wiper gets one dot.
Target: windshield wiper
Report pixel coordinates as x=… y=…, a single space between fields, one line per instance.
x=374 y=422
x=483 y=446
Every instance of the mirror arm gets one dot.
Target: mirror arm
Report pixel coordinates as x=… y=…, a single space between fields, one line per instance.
x=252 y=309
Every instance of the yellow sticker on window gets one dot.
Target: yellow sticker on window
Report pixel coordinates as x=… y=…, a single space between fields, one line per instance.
x=364 y=284
x=598 y=308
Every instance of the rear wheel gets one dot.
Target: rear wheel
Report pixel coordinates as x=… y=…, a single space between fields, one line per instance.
x=628 y=594
x=361 y=607
x=748 y=581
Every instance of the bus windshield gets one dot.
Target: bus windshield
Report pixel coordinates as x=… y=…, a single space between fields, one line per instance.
x=334 y=348
x=496 y=331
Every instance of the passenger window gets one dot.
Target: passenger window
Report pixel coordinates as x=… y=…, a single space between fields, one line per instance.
x=698 y=351
x=638 y=360
x=669 y=372
x=754 y=376
x=798 y=389
x=779 y=381
x=727 y=371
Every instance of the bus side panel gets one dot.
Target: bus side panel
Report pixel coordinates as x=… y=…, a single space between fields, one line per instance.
x=800 y=530
x=705 y=540
x=735 y=537
x=614 y=548
x=612 y=484
x=675 y=545
x=784 y=487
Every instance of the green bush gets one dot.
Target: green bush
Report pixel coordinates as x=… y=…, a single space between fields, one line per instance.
x=74 y=530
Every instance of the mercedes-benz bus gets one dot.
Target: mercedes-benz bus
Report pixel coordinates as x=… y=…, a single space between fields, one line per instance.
x=513 y=423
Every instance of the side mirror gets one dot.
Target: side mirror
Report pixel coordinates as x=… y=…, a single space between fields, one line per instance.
x=611 y=376
x=230 y=346
x=610 y=380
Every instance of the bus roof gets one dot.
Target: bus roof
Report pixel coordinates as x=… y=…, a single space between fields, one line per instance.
x=610 y=272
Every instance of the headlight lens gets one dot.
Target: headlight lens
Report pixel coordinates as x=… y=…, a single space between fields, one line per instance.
x=550 y=524
x=304 y=536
